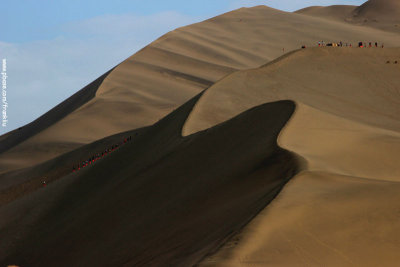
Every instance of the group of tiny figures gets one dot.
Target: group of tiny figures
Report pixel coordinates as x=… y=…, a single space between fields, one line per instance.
x=99 y=155
x=96 y=156
x=341 y=44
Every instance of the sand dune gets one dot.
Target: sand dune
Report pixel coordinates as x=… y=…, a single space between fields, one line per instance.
x=321 y=219
x=216 y=179
x=187 y=188
x=382 y=10
x=174 y=68
x=380 y=14
x=349 y=137
x=340 y=212
x=336 y=145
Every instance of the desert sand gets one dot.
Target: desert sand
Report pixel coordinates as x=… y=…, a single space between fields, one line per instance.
x=347 y=134
x=242 y=153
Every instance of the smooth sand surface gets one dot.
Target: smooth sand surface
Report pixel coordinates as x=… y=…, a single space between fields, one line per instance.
x=342 y=210
x=336 y=145
x=321 y=219
x=353 y=83
x=174 y=68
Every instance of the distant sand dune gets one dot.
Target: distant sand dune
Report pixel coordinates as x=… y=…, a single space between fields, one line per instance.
x=380 y=10
x=379 y=14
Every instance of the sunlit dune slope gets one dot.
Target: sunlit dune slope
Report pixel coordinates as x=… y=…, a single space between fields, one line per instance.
x=341 y=210
x=321 y=219
x=174 y=68
x=360 y=84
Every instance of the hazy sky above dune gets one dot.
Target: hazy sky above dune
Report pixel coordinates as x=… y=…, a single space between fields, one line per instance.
x=54 y=48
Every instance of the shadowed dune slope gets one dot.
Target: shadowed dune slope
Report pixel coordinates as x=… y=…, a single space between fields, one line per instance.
x=15 y=184
x=160 y=199
x=177 y=66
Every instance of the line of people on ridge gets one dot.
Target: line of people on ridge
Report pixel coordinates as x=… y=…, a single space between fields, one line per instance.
x=99 y=155
x=341 y=44
x=370 y=44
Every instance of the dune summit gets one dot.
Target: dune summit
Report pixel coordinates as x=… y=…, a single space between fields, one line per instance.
x=380 y=14
x=385 y=10
x=244 y=150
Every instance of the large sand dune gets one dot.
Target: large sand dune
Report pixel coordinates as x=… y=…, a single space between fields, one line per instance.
x=171 y=70
x=339 y=210
x=194 y=186
x=157 y=198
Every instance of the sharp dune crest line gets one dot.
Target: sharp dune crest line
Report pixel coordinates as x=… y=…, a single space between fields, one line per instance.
x=356 y=84
x=335 y=145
